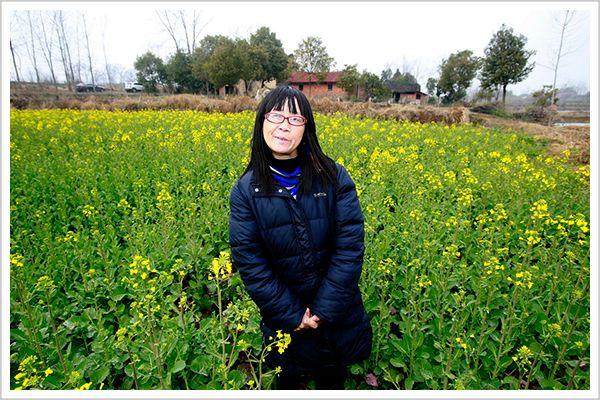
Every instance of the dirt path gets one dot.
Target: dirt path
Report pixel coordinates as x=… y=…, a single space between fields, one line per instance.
x=559 y=138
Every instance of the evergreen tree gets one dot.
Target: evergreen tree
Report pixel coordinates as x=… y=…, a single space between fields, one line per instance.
x=456 y=74
x=150 y=71
x=506 y=61
x=270 y=55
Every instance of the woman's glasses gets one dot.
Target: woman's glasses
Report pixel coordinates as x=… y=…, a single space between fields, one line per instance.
x=276 y=118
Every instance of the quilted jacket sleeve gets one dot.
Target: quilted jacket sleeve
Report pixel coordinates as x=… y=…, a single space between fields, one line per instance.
x=279 y=307
x=340 y=283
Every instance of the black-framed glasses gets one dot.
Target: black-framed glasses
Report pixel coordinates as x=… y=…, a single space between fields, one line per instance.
x=276 y=118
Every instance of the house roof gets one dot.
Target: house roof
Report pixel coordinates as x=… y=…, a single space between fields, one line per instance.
x=404 y=88
x=303 y=77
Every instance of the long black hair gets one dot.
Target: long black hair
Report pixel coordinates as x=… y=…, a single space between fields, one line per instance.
x=313 y=162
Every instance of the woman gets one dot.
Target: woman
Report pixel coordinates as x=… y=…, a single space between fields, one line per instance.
x=297 y=240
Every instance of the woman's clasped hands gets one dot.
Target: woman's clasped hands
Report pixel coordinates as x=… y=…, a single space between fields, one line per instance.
x=308 y=321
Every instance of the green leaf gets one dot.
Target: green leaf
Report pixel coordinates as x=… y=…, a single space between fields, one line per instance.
x=548 y=383
x=168 y=379
x=450 y=375
x=100 y=374
x=178 y=366
x=511 y=381
x=398 y=362
x=18 y=334
x=401 y=345
x=506 y=361
x=356 y=369
x=201 y=365
x=69 y=324
x=371 y=304
x=53 y=381
x=396 y=343
x=574 y=363
x=535 y=346
x=237 y=377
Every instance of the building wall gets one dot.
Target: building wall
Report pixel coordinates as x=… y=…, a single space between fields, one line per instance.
x=320 y=90
x=411 y=98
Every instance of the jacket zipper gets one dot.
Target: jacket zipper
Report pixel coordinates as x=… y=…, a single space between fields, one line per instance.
x=307 y=224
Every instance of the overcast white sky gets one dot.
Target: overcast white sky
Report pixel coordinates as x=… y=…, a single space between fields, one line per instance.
x=372 y=35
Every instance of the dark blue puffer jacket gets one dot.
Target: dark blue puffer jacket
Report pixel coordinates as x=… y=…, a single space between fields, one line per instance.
x=293 y=254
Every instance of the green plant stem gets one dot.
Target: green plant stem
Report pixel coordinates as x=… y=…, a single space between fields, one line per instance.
x=156 y=352
x=222 y=327
x=506 y=328
x=55 y=331
x=561 y=322
x=135 y=375
x=27 y=310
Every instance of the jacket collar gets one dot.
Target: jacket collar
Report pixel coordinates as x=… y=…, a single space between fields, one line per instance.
x=258 y=190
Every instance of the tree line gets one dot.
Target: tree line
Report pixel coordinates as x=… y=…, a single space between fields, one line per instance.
x=217 y=61
x=206 y=64
x=56 y=45
x=506 y=62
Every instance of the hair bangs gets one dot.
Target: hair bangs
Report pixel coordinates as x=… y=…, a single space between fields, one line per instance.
x=278 y=101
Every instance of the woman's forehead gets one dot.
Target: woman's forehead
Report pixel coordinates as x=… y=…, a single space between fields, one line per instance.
x=286 y=105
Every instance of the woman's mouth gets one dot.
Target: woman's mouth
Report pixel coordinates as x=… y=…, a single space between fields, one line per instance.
x=281 y=139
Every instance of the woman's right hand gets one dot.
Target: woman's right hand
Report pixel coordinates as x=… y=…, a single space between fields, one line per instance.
x=308 y=321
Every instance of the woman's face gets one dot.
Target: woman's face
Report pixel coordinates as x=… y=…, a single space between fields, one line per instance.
x=283 y=138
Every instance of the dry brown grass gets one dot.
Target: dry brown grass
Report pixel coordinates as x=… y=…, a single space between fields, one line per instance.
x=559 y=138
x=115 y=101
x=398 y=112
x=111 y=101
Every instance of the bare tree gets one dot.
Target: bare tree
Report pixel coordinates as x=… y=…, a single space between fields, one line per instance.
x=46 y=42
x=78 y=52
x=32 y=51
x=412 y=67
x=190 y=41
x=567 y=25
x=14 y=41
x=63 y=55
x=12 y=52
x=165 y=20
x=68 y=51
x=87 y=43
x=63 y=44
x=116 y=73
x=127 y=74
x=185 y=31
x=191 y=28
x=104 y=51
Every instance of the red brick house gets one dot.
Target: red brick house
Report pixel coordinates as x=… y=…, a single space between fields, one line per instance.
x=312 y=86
x=408 y=94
